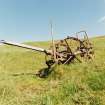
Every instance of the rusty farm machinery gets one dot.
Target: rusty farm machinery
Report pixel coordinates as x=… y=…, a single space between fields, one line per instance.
x=66 y=51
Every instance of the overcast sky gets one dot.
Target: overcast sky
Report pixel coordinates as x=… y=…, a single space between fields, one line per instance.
x=29 y=20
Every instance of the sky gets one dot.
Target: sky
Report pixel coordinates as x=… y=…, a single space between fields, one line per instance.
x=29 y=20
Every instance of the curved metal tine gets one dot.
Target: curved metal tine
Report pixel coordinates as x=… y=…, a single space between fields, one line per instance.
x=83 y=31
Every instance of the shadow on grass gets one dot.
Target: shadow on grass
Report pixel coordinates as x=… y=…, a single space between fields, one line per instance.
x=23 y=74
x=43 y=73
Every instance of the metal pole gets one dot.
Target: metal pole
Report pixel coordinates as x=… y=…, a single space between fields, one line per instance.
x=53 y=43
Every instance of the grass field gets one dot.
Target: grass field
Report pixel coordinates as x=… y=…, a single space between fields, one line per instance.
x=75 y=84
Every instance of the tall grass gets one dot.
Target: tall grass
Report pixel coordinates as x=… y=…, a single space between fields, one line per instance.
x=74 y=84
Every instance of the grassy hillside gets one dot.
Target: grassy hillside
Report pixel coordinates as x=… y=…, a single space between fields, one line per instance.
x=76 y=84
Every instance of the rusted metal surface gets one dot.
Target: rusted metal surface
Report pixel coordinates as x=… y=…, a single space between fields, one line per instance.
x=69 y=50
x=73 y=48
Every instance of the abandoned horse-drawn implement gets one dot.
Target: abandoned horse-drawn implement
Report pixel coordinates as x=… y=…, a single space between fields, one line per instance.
x=64 y=51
